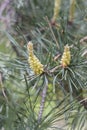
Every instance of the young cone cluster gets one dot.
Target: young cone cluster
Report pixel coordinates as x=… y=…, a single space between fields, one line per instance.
x=72 y=10
x=33 y=61
x=66 y=57
x=56 y=9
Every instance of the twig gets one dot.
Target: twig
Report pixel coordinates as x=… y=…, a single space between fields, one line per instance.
x=54 y=69
x=85 y=99
x=84 y=39
x=42 y=101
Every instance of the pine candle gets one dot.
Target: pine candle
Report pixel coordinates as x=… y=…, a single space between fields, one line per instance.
x=33 y=61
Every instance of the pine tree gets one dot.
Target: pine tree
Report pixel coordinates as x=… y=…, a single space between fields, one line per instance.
x=43 y=76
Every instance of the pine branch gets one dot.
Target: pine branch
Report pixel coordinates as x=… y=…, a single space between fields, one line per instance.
x=43 y=100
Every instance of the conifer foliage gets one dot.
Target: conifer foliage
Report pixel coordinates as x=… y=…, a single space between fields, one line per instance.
x=43 y=68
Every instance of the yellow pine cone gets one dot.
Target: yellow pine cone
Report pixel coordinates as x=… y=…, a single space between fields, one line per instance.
x=66 y=57
x=33 y=61
x=56 y=9
x=72 y=10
